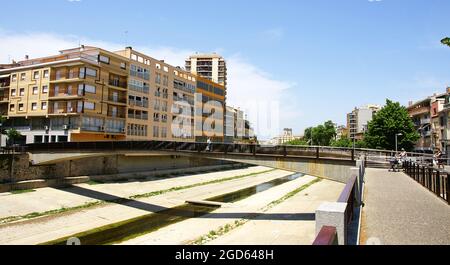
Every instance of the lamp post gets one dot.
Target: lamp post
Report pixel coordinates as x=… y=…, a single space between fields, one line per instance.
x=396 y=141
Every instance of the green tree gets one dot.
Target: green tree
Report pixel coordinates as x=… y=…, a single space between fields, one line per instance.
x=13 y=136
x=446 y=41
x=323 y=134
x=392 y=119
x=302 y=141
x=343 y=142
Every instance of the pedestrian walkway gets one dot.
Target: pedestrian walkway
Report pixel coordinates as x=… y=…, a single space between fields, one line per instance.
x=399 y=211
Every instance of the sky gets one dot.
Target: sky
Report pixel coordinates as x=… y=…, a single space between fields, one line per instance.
x=317 y=58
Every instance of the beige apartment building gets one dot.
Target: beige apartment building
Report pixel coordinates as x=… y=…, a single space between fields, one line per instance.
x=153 y=88
x=77 y=95
x=210 y=66
x=90 y=94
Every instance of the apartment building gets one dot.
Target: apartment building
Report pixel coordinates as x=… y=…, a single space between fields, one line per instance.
x=358 y=120
x=210 y=109
x=90 y=94
x=210 y=66
x=429 y=122
x=77 y=95
x=160 y=99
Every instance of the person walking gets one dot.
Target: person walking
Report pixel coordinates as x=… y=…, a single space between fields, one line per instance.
x=209 y=145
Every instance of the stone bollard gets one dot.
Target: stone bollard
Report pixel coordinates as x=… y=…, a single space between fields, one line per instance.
x=332 y=214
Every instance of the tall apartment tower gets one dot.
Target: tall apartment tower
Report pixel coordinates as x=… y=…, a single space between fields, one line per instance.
x=209 y=66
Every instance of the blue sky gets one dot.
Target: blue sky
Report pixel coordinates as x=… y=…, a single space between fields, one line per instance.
x=320 y=58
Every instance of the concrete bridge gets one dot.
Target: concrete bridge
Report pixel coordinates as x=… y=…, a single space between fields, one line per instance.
x=323 y=162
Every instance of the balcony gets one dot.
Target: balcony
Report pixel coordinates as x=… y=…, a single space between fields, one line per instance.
x=66 y=75
x=4 y=84
x=4 y=97
x=116 y=112
x=64 y=93
x=118 y=83
x=119 y=99
x=425 y=121
x=142 y=75
x=64 y=108
x=138 y=103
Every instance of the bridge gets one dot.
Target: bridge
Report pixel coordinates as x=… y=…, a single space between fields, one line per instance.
x=323 y=162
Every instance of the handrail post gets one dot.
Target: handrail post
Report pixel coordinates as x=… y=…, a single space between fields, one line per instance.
x=317 y=152
x=353 y=154
x=448 y=190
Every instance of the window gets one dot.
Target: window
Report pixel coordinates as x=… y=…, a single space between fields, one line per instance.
x=46 y=73
x=155 y=131
x=91 y=72
x=21 y=107
x=14 y=78
x=22 y=92
x=103 y=59
x=89 y=89
x=36 y=75
x=34 y=106
x=158 y=78
x=13 y=92
x=12 y=108
x=44 y=106
x=44 y=89
x=134 y=57
x=158 y=66
x=89 y=105
x=23 y=76
x=166 y=69
x=123 y=65
x=35 y=90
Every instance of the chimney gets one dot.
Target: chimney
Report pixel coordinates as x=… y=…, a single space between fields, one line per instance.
x=410 y=103
x=82 y=48
x=129 y=48
x=27 y=57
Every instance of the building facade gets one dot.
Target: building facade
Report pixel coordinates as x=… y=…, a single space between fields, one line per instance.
x=429 y=122
x=78 y=95
x=358 y=120
x=210 y=66
x=90 y=94
x=210 y=109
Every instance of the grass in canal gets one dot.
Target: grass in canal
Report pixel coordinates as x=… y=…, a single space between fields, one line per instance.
x=214 y=234
x=21 y=191
x=9 y=219
x=155 y=193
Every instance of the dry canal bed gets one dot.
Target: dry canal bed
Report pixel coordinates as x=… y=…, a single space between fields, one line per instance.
x=132 y=228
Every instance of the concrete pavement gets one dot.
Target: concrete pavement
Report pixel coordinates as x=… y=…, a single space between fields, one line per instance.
x=399 y=211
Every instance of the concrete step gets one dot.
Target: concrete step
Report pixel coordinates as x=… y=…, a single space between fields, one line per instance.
x=42 y=183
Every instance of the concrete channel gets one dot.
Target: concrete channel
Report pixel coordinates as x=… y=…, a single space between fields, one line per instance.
x=132 y=228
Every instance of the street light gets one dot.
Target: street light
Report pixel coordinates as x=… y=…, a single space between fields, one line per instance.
x=396 y=141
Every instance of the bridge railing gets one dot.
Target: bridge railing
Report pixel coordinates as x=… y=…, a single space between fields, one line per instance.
x=433 y=179
x=201 y=147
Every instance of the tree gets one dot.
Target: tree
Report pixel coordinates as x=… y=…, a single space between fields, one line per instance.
x=343 y=142
x=301 y=141
x=392 y=119
x=13 y=136
x=446 y=41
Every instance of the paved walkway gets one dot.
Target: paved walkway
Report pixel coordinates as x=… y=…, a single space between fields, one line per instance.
x=399 y=211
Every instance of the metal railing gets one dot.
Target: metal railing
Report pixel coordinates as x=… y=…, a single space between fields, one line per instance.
x=326 y=237
x=433 y=179
x=200 y=147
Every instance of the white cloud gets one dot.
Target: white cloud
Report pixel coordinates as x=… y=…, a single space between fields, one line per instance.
x=245 y=80
x=274 y=34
